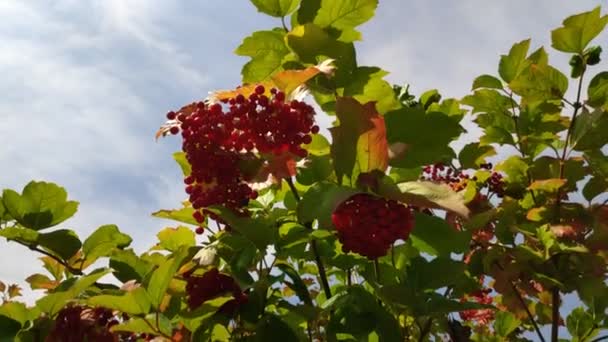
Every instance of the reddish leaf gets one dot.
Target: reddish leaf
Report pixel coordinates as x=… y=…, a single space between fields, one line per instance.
x=14 y=291
x=361 y=136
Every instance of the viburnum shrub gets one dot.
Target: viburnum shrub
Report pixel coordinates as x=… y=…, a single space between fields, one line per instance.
x=381 y=231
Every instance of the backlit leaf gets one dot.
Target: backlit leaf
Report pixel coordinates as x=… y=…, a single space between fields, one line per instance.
x=276 y=8
x=578 y=30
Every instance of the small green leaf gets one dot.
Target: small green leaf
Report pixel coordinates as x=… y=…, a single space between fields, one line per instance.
x=128 y=266
x=472 y=155
x=53 y=302
x=540 y=82
x=161 y=277
x=594 y=187
x=26 y=235
x=434 y=236
x=273 y=328
x=578 y=30
x=103 y=241
x=505 y=323
x=183 y=215
x=296 y=283
x=256 y=230
x=173 y=239
x=597 y=92
x=180 y=158
x=135 y=302
x=41 y=205
x=136 y=325
x=315 y=169
x=276 y=8
x=594 y=126
x=512 y=64
x=368 y=84
x=267 y=50
x=319 y=145
x=319 y=202
x=63 y=242
x=345 y=14
x=580 y=325
x=487 y=81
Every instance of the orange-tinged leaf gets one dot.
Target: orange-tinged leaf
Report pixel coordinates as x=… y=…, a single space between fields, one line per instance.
x=245 y=90
x=40 y=281
x=548 y=185
x=2 y=287
x=360 y=137
x=372 y=147
x=14 y=290
x=279 y=167
x=427 y=195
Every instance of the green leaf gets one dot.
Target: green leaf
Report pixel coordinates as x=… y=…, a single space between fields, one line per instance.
x=595 y=187
x=505 y=323
x=578 y=30
x=315 y=169
x=424 y=137
x=345 y=14
x=276 y=8
x=16 y=311
x=319 y=145
x=512 y=64
x=547 y=185
x=180 y=158
x=161 y=277
x=434 y=236
x=257 y=230
x=273 y=328
x=103 y=241
x=580 y=325
x=435 y=274
x=135 y=302
x=39 y=281
x=584 y=123
x=425 y=194
x=173 y=239
x=540 y=82
x=128 y=266
x=296 y=283
x=26 y=235
x=596 y=127
x=472 y=155
x=516 y=170
x=319 y=202
x=55 y=301
x=136 y=325
x=267 y=50
x=367 y=84
x=487 y=81
x=8 y=328
x=597 y=92
x=41 y=205
x=63 y=242
x=183 y=215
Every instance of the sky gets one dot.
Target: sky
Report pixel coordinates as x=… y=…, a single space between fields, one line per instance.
x=86 y=84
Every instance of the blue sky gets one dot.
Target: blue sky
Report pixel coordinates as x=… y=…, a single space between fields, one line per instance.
x=85 y=85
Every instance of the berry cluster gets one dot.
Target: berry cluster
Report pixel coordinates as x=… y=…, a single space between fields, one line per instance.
x=80 y=323
x=218 y=138
x=210 y=285
x=481 y=316
x=495 y=183
x=369 y=225
x=440 y=173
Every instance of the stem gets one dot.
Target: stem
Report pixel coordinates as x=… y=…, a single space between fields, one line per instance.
x=283 y=23
x=555 y=314
x=601 y=338
x=523 y=304
x=71 y=269
x=313 y=246
x=157 y=331
x=377 y=270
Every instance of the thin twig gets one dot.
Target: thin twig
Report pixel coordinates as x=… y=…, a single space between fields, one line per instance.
x=283 y=23
x=555 y=299
x=313 y=245
x=71 y=269
x=601 y=338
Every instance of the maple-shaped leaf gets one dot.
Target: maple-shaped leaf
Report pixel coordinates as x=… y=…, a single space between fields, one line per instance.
x=277 y=167
x=359 y=139
x=287 y=81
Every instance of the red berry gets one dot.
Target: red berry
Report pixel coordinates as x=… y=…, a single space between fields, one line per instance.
x=259 y=89
x=171 y=115
x=314 y=129
x=174 y=130
x=199 y=230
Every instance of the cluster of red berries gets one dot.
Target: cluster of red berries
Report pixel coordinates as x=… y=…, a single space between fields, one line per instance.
x=369 y=225
x=80 y=323
x=440 y=173
x=481 y=316
x=495 y=183
x=457 y=180
x=218 y=137
x=201 y=288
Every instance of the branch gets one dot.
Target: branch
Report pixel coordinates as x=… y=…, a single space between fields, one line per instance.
x=601 y=338
x=313 y=246
x=555 y=314
x=35 y=248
